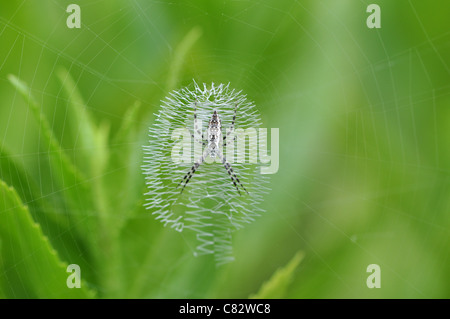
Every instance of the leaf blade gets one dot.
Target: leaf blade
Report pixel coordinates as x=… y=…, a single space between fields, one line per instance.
x=30 y=267
x=67 y=173
x=82 y=125
x=276 y=286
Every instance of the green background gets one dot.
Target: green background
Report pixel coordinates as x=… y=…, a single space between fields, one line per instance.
x=364 y=123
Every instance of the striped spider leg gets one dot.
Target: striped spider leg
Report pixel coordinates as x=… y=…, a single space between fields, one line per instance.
x=196 y=129
x=230 y=171
x=213 y=149
x=231 y=126
x=191 y=172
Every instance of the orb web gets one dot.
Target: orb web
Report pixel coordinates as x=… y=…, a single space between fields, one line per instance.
x=210 y=208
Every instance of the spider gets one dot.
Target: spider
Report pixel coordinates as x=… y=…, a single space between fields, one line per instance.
x=213 y=139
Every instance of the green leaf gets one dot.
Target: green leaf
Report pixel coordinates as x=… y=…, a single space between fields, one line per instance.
x=82 y=124
x=29 y=266
x=13 y=173
x=93 y=145
x=68 y=175
x=91 y=138
x=73 y=184
x=180 y=54
x=125 y=139
x=277 y=286
x=127 y=130
x=126 y=157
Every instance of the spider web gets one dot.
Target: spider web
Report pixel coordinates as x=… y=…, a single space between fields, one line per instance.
x=210 y=205
x=377 y=195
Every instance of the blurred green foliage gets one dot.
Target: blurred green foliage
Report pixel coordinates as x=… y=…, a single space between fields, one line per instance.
x=364 y=124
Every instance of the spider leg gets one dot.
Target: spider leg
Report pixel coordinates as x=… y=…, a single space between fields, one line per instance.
x=191 y=172
x=225 y=143
x=230 y=171
x=231 y=126
x=203 y=142
x=199 y=132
